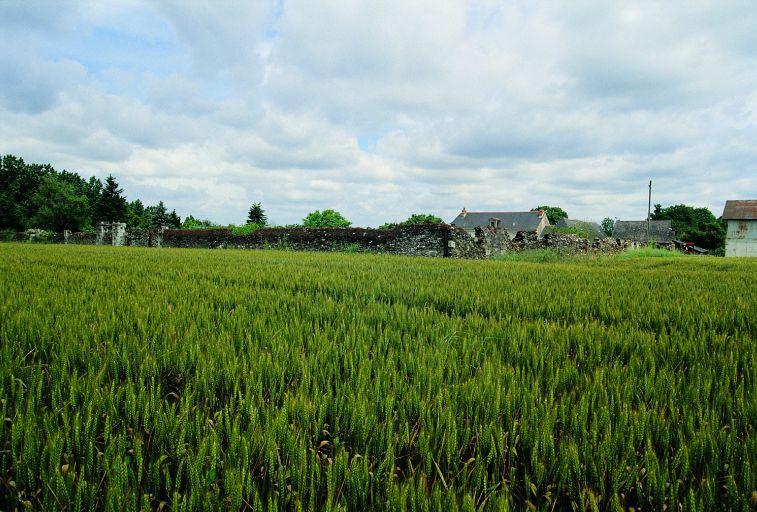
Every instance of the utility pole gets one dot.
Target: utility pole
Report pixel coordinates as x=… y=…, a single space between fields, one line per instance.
x=649 y=209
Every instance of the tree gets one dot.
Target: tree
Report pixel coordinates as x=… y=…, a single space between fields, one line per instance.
x=135 y=215
x=692 y=224
x=157 y=215
x=192 y=223
x=111 y=206
x=18 y=183
x=58 y=207
x=607 y=226
x=257 y=215
x=416 y=218
x=325 y=219
x=554 y=213
x=173 y=221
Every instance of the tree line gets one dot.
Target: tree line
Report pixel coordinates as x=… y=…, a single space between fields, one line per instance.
x=38 y=196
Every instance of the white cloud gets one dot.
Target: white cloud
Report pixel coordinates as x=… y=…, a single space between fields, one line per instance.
x=385 y=109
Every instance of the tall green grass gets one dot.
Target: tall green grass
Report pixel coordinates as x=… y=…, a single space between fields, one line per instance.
x=650 y=252
x=145 y=379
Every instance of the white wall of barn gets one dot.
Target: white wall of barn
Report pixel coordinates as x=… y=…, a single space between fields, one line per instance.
x=741 y=238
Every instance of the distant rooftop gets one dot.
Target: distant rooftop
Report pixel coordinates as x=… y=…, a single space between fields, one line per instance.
x=745 y=209
x=659 y=230
x=510 y=221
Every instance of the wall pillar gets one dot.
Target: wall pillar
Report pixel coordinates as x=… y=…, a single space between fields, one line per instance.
x=100 y=229
x=119 y=233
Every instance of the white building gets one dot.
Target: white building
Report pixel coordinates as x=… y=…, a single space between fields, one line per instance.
x=741 y=238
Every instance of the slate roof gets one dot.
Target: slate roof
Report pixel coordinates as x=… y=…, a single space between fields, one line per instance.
x=511 y=221
x=740 y=210
x=659 y=230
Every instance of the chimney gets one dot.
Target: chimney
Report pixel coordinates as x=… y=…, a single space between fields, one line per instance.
x=464 y=212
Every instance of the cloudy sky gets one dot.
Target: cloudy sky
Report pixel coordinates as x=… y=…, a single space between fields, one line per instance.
x=384 y=108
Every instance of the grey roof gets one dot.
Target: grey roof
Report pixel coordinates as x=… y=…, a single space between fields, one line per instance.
x=592 y=228
x=740 y=210
x=511 y=221
x=659 y=230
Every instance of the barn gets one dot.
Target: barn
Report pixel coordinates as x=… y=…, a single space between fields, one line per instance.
x=741 y=237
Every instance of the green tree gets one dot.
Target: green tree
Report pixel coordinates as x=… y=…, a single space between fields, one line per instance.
x=416 y=218
x=257 y=215
x=135 y=215
x=192 y=223
x=58 y=207
x=325 y=219
x=157 y=215
x=173 y=221
x=607 y=226
x=111 y=206
x=692 y=224
x=554 y=213
x=18 y=183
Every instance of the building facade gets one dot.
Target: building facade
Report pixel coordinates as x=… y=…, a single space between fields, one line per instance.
x=741 y=236
x=509 y=222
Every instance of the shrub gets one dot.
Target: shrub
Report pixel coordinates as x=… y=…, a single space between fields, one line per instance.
x=245 y=229
x=325 y=219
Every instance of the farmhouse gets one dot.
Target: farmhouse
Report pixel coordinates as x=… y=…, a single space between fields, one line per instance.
x=509 y=222
x=660 y=231
x=741 y=237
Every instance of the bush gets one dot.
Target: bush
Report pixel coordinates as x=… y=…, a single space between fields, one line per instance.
x=7 y=235
x=416 y=218
x=573 y=230
x=325 y=219
x=245 y=229
x=38 y=235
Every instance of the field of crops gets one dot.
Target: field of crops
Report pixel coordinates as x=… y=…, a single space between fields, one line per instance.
x=138 y=379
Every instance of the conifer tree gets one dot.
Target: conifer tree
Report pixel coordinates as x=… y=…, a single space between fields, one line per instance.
x=111 y=205
x=257 y=215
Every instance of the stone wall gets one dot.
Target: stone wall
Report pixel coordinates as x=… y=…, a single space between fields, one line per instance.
x=495 y=241
x=571 y=244
x=462 y=245
x=138 y=237
x=82 y=238
x=417 y=240
x=433 y=240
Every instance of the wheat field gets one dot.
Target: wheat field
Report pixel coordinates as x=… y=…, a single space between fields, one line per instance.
x=160 y=379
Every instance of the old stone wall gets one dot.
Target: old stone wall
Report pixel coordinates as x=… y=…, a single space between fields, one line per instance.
x=494 y=241
x=417 y=240
x=82 y=238
x=570 y=244
x=138 y=237
x=462 y=245
x=433 y=240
